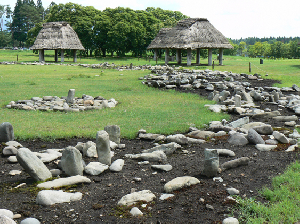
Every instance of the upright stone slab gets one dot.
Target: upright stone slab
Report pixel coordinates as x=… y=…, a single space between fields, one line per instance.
x=237 y=100
x=71 y=96
x=211 y=163
x=103 y=147
x=114 y=133
x=6 y=132
x=33 y=165
x=71 y=161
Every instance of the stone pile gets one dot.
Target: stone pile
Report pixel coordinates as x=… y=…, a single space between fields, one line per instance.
x=63 y=104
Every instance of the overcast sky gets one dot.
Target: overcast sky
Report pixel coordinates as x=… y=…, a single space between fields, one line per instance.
x=234 y=18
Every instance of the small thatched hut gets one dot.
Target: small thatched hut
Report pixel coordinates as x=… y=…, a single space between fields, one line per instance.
x=191 y=34
x=57 y=36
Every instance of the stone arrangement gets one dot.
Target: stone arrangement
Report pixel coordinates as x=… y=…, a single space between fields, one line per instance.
x=63 y=104
x=240 y=100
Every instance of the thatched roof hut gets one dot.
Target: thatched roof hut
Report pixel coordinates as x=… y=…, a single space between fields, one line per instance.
x=57 y=36
x=190 y=34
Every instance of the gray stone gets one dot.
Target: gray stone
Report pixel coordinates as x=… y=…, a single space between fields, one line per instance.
x=9 y=151
x=232 y=191
x=30 y=221
x=211 y=163
x=103 y=147
x=6 y=220
x=168 y=149
x=286 y=118
x=201 y=134
x=117 y=165
x=130 y=199
x=64 y=182
x=295 y=134
x=240 y=122
x=230 y=220
x=48 y=155
x=296 y=88
x=243 y=161
x=237 y=100
x=264 y=129
x=95 y=168
x=166 y=167
x=6 y=132
x=238 y=139
x=7 y=213
x=180 y=182
x=50 y=197
x=71 y=161
x=114 y=133
x=12 y=159
x=271 y=142
x=178 y=138
x=71 y=96
x=225 y=152
x=33 y=165
x=136 y=212
x=280 y=137
x=254 y=138
x=266 y=115
x=290 y=123
x=165 y=196
x=156 y=156
x=265 y=148
x=256 y=96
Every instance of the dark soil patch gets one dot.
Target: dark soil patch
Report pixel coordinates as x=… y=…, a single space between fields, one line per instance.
x=100 y=197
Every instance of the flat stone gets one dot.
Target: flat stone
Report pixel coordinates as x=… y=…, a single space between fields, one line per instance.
x=130 y=199
x=50 y=197
x=117 y=165
x=238 y=139
x=166 y=167
x=95 y=168
x=180 y=182
x=201 y=134
x=232 y=191
x=265 y=147
x=64 y=182
x=230 y=220
x=280 y=137
x=225 y=152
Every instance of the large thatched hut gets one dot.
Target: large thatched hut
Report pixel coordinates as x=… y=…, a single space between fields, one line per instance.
x=191 y=34
x=57 y=36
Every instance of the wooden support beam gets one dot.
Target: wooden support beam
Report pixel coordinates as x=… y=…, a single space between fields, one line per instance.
x=62 y=56
x=167 y=56
x=209 y=57
x=74 y=55
x=220 y=56
x=198 y=56
x=178 y=56
x=189 y=56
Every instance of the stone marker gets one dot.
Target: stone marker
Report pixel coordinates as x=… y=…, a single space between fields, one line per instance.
x=71 y=161
x=103 y=148
x=33 y=165
x=211 y=163
x=6 y=132
x=114 y=133
x=71 y=96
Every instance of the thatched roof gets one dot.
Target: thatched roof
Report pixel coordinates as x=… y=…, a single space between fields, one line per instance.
x=190 y=33
x=57 y=35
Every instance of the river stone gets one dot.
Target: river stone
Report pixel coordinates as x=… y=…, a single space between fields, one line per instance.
x=64 y=182
x=7 y=213
x=230 y=220
x=180 y=182
x=286 y=118
x=6 y=220
x=264 y=129
x=30 y=221
x=232 y=191
x=117 y=165
x=238 y=139
x=136 y=212
x=225 y=152
x=201 y=134
x=50 y=197
x=211 y=163
x=95 y=168
x=166 y=167
x=243 y=161
x=114 y=133
x=103 y=147
x=33 y=165
x=280 y=137
x=254 y=138
x=6 y=132
x=265 y=147
x=130 y=199
x=240 y=122
x=71 y=161
x=9 y=151
x=168 y=149
x=12 y=159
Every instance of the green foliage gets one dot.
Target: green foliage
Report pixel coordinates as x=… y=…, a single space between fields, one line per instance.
x=283 y=197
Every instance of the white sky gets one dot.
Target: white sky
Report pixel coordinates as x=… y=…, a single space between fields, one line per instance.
x=234 y=18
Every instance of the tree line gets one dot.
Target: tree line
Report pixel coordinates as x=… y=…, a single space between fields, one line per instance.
x=121 y=30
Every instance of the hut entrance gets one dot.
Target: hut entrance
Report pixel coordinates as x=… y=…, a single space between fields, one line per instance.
x=190 y=34
x=57 y=36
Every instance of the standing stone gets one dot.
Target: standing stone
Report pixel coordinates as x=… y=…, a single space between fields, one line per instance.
x=71 y=96
x=33 y=165
x=237 y=100
x=71 y=161
x=211 y=163
x=254 y=137
x=6 y=132
x=275 y=95
x=103 y=147
x=114 y=133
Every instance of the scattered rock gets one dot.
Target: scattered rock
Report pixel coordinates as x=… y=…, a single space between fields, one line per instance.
x=50 y=197
x=180 y=182
x=130 y=199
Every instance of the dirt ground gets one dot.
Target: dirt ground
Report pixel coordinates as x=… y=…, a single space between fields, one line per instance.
x=189 y=205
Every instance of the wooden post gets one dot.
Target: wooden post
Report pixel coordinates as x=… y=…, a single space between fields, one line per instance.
x=167 y=56
x=41 y=55
x=249 y=66
x=209 y=57
x=17 y=57
x=56 y=55
x=74 y=56
x=213 y=65
x=62 y=56
x=189 y=56
x=198 y=56
x=220 y=56
x=155 y=54
x=178 y=56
